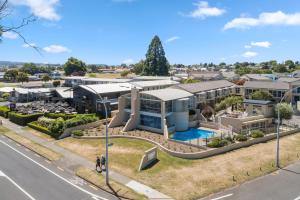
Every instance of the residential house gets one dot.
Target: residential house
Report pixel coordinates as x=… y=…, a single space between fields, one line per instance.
x=259 y=77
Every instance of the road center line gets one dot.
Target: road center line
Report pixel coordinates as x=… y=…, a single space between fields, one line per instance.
x=45 y=168
x=15 y=184
x=222 y=197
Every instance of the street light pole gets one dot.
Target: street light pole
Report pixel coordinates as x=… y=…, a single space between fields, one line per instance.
x=106 y=135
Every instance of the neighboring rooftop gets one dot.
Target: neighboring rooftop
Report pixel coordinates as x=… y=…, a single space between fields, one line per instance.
x=288 y=79
x=108 y=88
x=148 y=78
x=259 y=77
x=143 y=84
x=168 y=94
x=64 y=92
x=204 y=86
x=257 y=102
x=278 y=85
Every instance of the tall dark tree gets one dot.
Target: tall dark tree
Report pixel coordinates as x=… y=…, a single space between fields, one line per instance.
x=156 y=63
x=74 y=66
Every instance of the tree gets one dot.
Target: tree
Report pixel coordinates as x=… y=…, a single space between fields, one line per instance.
x=285 y=111
x=156 y=64
x=56 y=83
x=11 y=75
x=139 y=67
x=280 y=68
x=74 y=66
x=262 y=95
x=290 y=64
x=22 y=77
x=29 y=68
x=46 y=78
x=125 y=73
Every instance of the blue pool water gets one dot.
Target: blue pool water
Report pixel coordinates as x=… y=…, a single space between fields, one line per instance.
x=192 y=134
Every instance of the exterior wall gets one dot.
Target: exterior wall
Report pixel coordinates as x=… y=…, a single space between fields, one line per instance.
x=266 y=110
x=234 y=122
x=181 y=121
x=134 y=119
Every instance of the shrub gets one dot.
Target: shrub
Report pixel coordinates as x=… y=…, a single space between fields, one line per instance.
x=44 y=121
x=257 y=134
x=57 y=127
x=80 y=120
x=229 y=139
x=4 y=111
x=241 y=138
x=77 y=133
x=217 y=142
x=56 y=83
x=58 y=115
x=38 y=127
x=5 y=95
x=23 y=119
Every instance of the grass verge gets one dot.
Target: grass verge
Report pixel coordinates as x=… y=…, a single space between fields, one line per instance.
x=38 y=134
x=98 y=180
x=35 y=147
x=189 y=179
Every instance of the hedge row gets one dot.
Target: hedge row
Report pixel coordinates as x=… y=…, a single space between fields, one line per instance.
x=58 y=115
x=22 y=119
x=4 y=110
x=36 y=126
x=80 y=120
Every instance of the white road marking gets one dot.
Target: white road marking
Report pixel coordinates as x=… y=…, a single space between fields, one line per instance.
x=19 y=187
x=62 y=178
x=298 y=198
x=222 y=197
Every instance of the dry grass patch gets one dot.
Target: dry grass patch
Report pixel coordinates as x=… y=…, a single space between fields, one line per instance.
x=39 y=149
x=98 y=180
x=190 y=179
x=39 y=134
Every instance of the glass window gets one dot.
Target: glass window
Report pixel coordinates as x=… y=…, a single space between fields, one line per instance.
x=168 y=105
x=151 y=121
x=148 y=105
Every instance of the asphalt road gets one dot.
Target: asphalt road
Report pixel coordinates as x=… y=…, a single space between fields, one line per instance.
x=281 y=185
x=25 y=175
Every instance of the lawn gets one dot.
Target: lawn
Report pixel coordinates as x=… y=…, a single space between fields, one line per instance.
x=38 y=134
x=39 y=149
x=189 y=179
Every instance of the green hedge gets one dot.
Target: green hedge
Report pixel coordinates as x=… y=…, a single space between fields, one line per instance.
x=4 y=110
x=36 y=126
x=23 y=120
x=257 y=134
x=80 y=120
x=58 y=115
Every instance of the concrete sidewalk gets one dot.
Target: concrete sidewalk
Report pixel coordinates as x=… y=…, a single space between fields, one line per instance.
x=72 y=161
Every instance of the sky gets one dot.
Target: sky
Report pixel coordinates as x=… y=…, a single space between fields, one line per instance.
x=119 y=31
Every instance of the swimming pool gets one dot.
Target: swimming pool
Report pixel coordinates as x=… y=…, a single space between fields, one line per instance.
x=191 y=134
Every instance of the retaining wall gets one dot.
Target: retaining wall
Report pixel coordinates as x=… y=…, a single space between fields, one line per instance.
x=202 y=154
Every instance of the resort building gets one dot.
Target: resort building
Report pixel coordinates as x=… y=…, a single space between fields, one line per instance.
x=277 y=88
x=162 y=111
x=208 y=92
x=26 y=94
x=258 y=115
x=295 y=84
x=79 y=80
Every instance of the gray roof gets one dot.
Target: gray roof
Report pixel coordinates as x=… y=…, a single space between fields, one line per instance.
x=168 y=94
x=64 y=92
x=258 y=102
x=144 y=84
x=257 y=77
x=288 y=79
x=108 y=88
x=278 y=85
x=204 y=86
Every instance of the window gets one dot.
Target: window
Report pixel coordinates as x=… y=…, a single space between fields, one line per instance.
x=168 y=106
x=150 y=121
x=237 y=90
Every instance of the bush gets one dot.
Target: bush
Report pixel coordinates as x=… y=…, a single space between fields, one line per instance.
x=56 y=83
x=4 y=110
x=57 y=127
x=77 y=133
x=229 y=139
x=5 y=95
x=58 y=115
x=80 y=120
x=22 y=119
x=241 y=138
x=217 y=142
x=44 y=121
x=38 y=127
x=257 y=134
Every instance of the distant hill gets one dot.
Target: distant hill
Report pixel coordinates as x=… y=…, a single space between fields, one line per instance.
x=19 y=64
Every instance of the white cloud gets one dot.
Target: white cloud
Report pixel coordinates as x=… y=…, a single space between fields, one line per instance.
x=56 y=49
x=203 y=10
x=29 y=45
x=10 y=35
x=45 y=9
x=128 y=61
x=248 y=46
x=249 y=54
x=264 y=19
x=264 y=44
x=171 y=39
